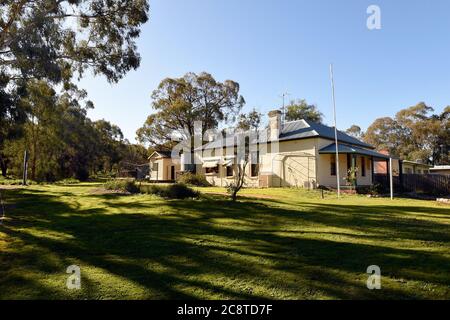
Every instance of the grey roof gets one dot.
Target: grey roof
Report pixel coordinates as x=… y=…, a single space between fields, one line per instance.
x=293 y=130
x=343 y=148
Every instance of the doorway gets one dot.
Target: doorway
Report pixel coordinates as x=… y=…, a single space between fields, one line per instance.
x=172 y=173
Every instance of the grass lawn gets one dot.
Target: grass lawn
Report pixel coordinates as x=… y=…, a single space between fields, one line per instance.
x=274 y=243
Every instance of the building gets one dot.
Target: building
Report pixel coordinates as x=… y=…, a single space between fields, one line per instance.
x=298 y=153
x=440 y=170
x=415 y=167
x=162 y=168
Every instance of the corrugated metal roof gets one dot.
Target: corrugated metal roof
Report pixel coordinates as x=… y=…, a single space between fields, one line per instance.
x=293 y=130
x=343 y=148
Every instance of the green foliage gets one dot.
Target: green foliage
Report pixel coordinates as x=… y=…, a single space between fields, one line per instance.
x=352 y=175
x=68 y=181
x=376 y=189
x=194 y=179
x=179 y=102
x=355 y=131
x=122 y=185
x=249 y=121
x=42 y=39
x=44 y=45
x=63 y=142
x=413 y=134
x=300 y=109
x=171 y=191
x=15 y=182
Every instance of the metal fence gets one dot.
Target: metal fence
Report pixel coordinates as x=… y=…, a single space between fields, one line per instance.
x=436 y=184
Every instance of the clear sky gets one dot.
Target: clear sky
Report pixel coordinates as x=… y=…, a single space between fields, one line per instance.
x=271 y=47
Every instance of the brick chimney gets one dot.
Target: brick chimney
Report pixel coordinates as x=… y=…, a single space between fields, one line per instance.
x=274 y=124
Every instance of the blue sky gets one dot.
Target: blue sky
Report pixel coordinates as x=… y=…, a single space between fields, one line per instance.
x=271 y=47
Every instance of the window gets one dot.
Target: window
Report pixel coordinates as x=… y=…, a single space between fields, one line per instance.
x=363 y=166
x=212 y=170
x=333 y=165
x=254 y=167
x=155 y=166
x=230 y=171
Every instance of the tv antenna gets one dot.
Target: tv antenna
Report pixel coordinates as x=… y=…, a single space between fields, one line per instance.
x=283 y=109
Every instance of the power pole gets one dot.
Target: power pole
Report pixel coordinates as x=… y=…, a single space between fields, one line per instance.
x=25 y=168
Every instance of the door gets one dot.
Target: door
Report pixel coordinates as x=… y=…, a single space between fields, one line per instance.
x=172 y=173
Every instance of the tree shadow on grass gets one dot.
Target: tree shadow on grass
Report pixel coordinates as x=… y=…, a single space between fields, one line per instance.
x=215 y=248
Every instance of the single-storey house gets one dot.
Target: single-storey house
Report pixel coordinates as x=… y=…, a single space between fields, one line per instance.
x=298 y=153
x=415 y=167
x=440 y=169
x=162 y=168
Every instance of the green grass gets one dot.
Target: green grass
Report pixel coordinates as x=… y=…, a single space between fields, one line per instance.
x=291 y=244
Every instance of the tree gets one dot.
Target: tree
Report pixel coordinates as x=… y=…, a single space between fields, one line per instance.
x=51 y=39
x=55 y=40
x=413 y=134
x=61 y=140
x=110 y=143
x=179 y=102
x=384 y=134
x=11 y=122
x=300 y=109
x=251 y=120
x=441 y=143
x=355 y=131
x=242 y=159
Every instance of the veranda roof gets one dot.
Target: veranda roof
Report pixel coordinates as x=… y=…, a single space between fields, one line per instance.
x=344 y=149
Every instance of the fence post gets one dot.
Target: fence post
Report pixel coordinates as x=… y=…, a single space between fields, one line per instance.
x=391 y=183
x=400 y=174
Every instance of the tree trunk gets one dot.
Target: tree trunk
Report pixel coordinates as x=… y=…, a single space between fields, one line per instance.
x=3 y=166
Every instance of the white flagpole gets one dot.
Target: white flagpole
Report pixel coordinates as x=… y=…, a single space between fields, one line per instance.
x=335 y=132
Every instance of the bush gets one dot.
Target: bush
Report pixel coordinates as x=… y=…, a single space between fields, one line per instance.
x=15 y=182
x=172 y=191
x=122 y=185
x=376 y=189
x=68 y=181
x=193 y=179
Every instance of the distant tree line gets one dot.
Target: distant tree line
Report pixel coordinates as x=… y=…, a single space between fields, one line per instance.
x=415 y=133
x=44 y=45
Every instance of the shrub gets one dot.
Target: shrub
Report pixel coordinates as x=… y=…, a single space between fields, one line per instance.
x=68 y=181
x=172 y=191
x=15 y=182
x=193 y=179
x=122 y=185
x=376 y=189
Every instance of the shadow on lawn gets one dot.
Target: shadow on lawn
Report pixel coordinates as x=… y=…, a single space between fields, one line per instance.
x=215 y=247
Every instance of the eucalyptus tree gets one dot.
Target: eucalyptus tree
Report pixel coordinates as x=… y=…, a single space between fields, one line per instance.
x=181 y=102
x=59 y=40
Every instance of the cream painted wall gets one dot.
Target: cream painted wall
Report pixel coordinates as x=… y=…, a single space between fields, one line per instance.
x=324 y=170
x=287 y=165
x=164 y=169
